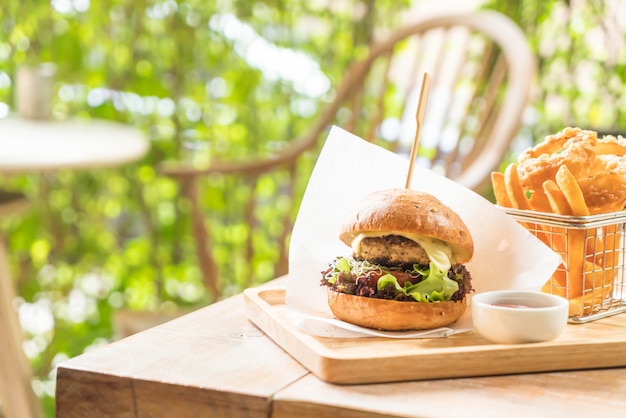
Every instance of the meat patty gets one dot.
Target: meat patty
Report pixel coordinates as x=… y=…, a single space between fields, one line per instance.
x=391 y=250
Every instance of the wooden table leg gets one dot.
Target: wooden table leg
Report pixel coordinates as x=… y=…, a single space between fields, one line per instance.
x=18 y=398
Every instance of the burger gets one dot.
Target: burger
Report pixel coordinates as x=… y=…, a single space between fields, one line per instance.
x=407 y=267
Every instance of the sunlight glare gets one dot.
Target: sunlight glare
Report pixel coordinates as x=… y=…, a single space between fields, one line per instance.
x=276 y=63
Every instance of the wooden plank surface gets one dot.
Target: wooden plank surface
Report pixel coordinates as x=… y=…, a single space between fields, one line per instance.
x=215 y=363
x=598 y=344
x=591 y=393
x=86 y=394
x=212 y=362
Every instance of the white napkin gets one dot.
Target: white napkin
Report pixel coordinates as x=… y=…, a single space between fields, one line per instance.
x=506 y=256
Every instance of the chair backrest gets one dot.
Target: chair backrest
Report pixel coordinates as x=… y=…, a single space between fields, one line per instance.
x=482 y=70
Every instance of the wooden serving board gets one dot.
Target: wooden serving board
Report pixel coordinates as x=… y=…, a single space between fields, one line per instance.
x=597 y=344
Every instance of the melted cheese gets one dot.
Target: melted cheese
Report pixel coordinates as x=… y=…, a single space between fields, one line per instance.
x=438 y=252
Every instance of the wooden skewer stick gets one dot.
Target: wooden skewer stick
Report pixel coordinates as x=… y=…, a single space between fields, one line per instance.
x=419 y=117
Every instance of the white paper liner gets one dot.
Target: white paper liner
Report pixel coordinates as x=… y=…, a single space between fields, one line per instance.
x=506 y=255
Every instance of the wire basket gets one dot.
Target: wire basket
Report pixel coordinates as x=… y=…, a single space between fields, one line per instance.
x=591 y=275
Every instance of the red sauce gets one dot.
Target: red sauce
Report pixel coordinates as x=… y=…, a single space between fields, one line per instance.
x=507 y=305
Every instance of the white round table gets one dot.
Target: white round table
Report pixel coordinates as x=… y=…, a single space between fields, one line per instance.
x=37 y=146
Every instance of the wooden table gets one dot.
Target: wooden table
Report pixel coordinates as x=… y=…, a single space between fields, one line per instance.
x=31 y=146
x=215 y=363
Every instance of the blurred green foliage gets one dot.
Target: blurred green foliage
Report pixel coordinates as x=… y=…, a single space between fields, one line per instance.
x=580 y=48
x=207 y=79
x=202 y=79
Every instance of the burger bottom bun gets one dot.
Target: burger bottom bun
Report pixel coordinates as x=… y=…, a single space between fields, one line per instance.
x=391 y=315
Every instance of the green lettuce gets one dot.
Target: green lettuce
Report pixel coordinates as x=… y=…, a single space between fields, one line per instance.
x=435 y=286
x=342 y=265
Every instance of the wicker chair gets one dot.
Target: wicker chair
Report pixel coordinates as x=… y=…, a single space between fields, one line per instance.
x=482 y=69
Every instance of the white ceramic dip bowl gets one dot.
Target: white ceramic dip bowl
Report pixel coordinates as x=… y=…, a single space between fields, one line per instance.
x=518 y=316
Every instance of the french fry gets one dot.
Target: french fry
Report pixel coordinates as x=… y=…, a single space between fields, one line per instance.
x=499 y=189
x=576 y=246
x=610 y=238
x=582 y=305
x=609 y=260
x=558 y=204
x=539 y=201
x=557 y=284
x=594 y=247
x=570 y=188
x=596 y=278
x=517 y=197
x=597 y=285
x=575 y=261
x=586 y=303
x=556 y=198
x=576 y=200
x=514 y=189
x=587 y=282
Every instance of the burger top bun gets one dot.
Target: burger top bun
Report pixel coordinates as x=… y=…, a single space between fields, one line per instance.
x=408 y=212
